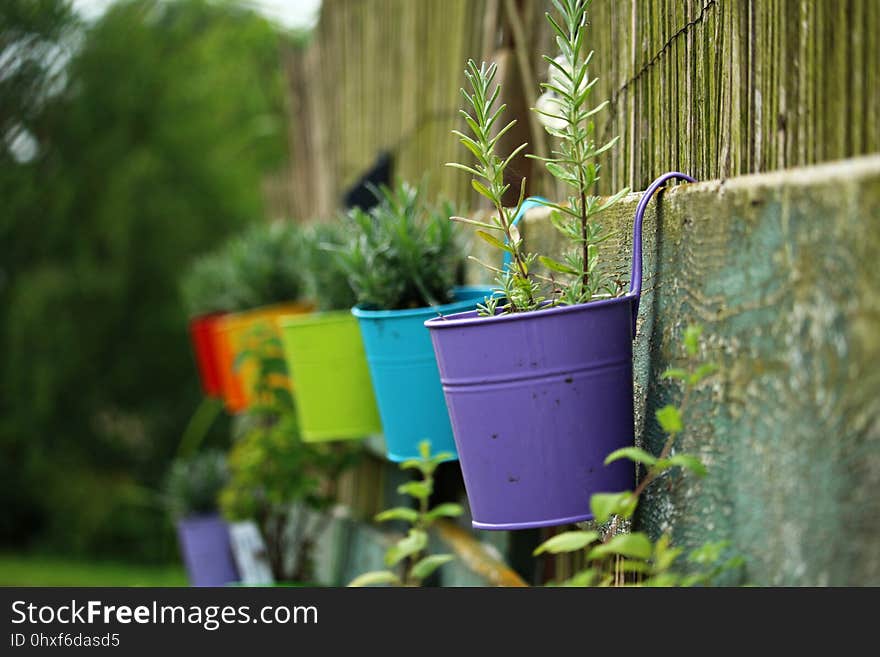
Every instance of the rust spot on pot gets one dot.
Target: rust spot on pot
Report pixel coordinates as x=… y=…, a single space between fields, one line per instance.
x=512 y=479
x=494 y=436
x=568 y=379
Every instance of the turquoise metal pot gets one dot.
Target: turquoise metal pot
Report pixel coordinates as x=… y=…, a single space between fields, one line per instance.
x=404 y=373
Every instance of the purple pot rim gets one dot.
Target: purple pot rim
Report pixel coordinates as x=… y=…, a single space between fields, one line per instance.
x=552 y=522
x=457 y=306
x=468 y=318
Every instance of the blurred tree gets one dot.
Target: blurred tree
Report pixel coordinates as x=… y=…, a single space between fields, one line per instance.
x=153 y=149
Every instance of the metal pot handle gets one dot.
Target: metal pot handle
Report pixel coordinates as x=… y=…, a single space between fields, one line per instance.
x=635 y=276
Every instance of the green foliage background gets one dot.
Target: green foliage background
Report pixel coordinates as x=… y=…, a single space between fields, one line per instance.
x=154 y=129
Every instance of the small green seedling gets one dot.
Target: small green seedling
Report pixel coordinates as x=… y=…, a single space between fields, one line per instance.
x=407 y=560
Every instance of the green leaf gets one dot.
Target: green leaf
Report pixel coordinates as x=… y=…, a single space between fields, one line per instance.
x=664 y=554
x=425 y=449
x=412 y=464
x=633 y=454
x=630 y=566
x=426 y=465
x=692 y=580
x=704 y=370
x=472 y=222
x=634 y=546
x=447 y=510
x=567 y=542
x=421 y=490
x=692 y=339
x=734 y=562
x=583 y=578
x=605 y=505
x=516 y=151
x=708 y=553
x=398 y=513
x=413 y=543
x=688 y=462
x=675 y=373
x=559 y=172
x=375 y=577
x=424 y=567
x=482 y=189
x=663 y=580
x=669 y=419
x=555 y=265
x=464 y=167
x=494 y=241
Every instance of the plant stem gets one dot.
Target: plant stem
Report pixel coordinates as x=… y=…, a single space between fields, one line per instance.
x=408 y=579
x=585 y=244
x=667 y=447
x=517 y=256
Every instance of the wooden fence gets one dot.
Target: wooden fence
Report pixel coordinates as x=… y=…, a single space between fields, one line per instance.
x=712 y=87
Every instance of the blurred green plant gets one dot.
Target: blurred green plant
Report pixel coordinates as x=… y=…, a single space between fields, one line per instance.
x=325 y=272
x=208 y=286
x=193 y=484
x=266 y=263
x=404 y=252
x=260 y=266
x=150 y=133
x=632 y=557
x=275 y=477
x=408 y=554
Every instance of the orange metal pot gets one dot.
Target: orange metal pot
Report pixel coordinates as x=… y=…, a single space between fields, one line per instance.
x=232 y=333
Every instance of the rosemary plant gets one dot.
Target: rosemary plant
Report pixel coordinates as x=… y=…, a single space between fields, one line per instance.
x=519 y=287
x=403 y=253
x=567 y=116
x=325 y=273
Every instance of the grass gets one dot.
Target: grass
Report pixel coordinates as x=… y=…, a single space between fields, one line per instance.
x=41 y=570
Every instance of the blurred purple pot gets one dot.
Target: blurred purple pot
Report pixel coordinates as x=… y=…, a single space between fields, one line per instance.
x=206 y=550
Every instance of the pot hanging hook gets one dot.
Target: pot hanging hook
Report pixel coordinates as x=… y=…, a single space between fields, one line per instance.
x=635 y=277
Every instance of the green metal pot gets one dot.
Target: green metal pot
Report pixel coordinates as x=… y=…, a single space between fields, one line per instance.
x=334 y=396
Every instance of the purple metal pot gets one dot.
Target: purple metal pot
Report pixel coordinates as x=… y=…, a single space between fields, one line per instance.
x=206 y=550
x=537 y=401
